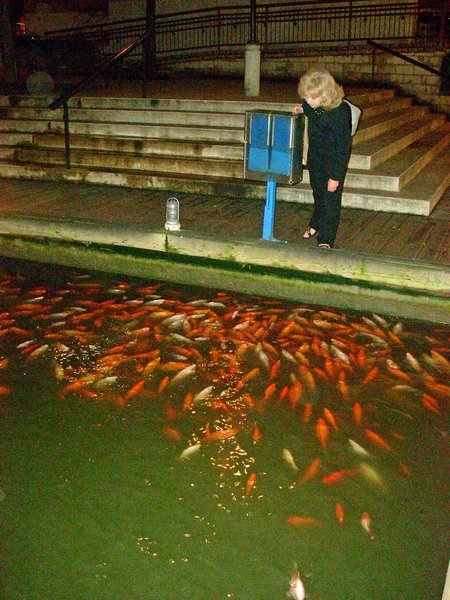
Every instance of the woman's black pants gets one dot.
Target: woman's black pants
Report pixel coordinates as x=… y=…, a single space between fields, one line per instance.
x=327 y=205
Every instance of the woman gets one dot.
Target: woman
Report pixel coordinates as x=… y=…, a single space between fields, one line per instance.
x=329 y=139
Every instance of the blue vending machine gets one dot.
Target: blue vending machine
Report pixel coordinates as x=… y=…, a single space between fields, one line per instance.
x=273 y=153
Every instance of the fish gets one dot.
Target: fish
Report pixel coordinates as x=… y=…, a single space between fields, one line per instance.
x=366 y=525
x=296 y=587
x=336 y=476
x=339 y=511
x=358 y=448
x=250 y=484
x=203 y=394
x=322 y=432
x=220 y=434
x=298 y=521
x=189 y=452
x=289 y=459
x=311 y=471
x=375 y=438
x=371 y=475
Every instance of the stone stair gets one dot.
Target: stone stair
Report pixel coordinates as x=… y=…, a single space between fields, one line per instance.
x=399 y=160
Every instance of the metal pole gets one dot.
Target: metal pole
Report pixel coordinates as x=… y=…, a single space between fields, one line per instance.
x=374 y=56
x=66 y=133
x=253 y=38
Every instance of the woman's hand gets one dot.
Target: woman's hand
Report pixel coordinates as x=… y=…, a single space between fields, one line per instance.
x=298 y=110
x=332 y=185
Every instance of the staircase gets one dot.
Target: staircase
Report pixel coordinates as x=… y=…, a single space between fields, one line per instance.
x=399 y=160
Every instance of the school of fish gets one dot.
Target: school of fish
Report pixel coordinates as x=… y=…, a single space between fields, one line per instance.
x=230 y=359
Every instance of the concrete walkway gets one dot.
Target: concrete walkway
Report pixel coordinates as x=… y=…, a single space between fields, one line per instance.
x=385 y=262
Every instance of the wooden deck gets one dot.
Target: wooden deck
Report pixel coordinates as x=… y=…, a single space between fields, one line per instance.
x=375 y=233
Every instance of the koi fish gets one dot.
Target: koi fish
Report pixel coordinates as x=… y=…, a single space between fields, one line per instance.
x=311 y=471
x=189 y=451
x=221 y=434
x=296 y=587
x=250 y=484
x=298 y=521
x=377 y=439
x=287 y=456
x=339 y=511
x=322 y=432
x=336 y=476
x=366 y=522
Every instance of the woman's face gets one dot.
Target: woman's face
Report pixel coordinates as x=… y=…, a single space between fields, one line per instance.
x=314 y=102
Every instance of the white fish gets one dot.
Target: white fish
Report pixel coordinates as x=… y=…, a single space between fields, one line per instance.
x=203 y=394
x=398 y=328
x=25 y=344
x=174 y=322
x=380 y=321
x=296 y=587
x=358 y=449
x=413 y=362
x=371 y=475
x=182 y=375
x=339 y=353
x=155 y=302
x=189 y=451
x=38 y=351
x=287 y=456
x=289 y=356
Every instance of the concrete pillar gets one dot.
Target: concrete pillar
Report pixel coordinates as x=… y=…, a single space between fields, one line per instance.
x=252 y=69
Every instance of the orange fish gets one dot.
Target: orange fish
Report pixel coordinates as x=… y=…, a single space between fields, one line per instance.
x=298 y=521
x=163 y=384
x=329 y=369
x=357 y=413
x=365 y=522
x=342 y=385
x=370 y=375
x=250 y=484
x=256 y=434
x=274 y=370
x=135 y=390
x=307 y=413
x=339 y=510
x=330 y=418
x=294 y=394
x=322 y=432
x=4 y=390
x=311 y=471
x=431 y=403
x=270 y=392
x=220 y=434
x=377 y=439
x=336 y=476
x=172 y=433
x=247 y=377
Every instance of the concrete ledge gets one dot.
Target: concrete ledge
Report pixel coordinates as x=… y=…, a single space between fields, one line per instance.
x=242 y=278
x=363 y=280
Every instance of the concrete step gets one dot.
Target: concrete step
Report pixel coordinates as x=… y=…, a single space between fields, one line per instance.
x=394 y=174
x=132 y=162
x=379 y=124
x=12 y=139
x=144 y=147
x=142 y=117
x=398 y=171
x=418 y=197
x=368 y=154
x=381 y=108
x=361 y=98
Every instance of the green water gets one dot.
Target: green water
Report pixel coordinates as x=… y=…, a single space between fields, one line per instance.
x=98 y=504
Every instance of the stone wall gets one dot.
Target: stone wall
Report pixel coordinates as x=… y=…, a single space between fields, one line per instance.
x=347 y=68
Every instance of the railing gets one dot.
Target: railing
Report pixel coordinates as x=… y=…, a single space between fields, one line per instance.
x=407 y=59
x=66 y=95
x=290 y=26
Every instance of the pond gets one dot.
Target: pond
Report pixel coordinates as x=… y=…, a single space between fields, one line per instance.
x=165 y=442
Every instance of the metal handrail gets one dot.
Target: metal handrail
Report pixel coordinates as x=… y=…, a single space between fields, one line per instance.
x=412 y=61
x=65 y=96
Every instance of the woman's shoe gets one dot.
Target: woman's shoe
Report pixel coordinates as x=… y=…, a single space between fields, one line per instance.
x=309 y=234
x=326 y=246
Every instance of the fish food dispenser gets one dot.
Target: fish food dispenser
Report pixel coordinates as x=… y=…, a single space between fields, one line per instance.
x=273 y=153
x=172 y=214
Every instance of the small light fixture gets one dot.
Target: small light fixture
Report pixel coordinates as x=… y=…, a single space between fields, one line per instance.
x=172 y=214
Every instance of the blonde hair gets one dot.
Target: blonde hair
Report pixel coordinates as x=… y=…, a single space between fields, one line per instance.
x=319 y=82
